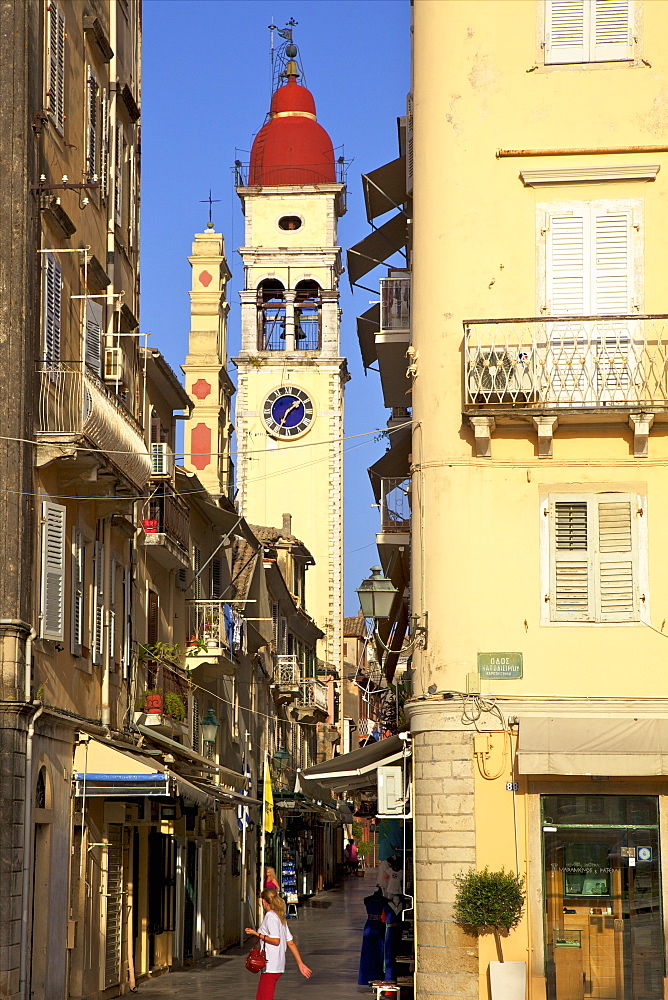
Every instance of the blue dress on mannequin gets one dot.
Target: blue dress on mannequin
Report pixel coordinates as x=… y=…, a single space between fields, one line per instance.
x=372 y=957
x=392 y=912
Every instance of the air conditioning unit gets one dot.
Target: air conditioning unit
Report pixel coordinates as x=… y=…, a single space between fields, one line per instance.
x=162 y=460
x=501 y=376
x=114 y=366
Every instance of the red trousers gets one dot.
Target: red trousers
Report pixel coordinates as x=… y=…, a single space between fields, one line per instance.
x=267 y=985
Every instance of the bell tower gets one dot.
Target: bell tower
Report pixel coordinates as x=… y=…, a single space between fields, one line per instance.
x=291 y=376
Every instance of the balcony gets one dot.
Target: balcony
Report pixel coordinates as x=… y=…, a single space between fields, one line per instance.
x=566 y=365
x=395 y=505
x=312 y=701
x=393 y=339
x=167 y=527
x=162 y=704
x=74 y=404
x=208 y=644
x=286 y=686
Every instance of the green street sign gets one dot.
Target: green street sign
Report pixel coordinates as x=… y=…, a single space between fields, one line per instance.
x=500 y=666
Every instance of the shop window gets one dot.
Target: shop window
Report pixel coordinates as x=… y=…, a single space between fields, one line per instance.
x=602 y=884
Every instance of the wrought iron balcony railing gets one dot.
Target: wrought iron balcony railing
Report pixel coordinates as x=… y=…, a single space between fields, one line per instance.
x=395 y=504
x=581 y=362
x=313 y=693
x=207 y=624
x=286 y=673
x=165 y=692
x=74 y=402
x=168 y=514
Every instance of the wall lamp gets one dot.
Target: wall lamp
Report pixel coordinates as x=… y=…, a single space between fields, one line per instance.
x=209 y=727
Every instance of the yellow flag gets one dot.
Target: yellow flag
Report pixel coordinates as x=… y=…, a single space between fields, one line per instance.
x=268 y=801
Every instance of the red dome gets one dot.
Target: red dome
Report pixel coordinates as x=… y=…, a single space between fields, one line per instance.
x=291 y=148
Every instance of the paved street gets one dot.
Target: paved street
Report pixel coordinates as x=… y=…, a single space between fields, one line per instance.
x=328 y=934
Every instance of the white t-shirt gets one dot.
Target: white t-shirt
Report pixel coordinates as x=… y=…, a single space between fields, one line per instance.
x=272 y=927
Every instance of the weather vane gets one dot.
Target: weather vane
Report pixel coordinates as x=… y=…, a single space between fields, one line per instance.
x=211 y=202
x=280 y=58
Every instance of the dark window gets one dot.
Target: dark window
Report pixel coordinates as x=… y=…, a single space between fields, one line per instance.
x=290 y=222
x=308 y=308
x=271 y=315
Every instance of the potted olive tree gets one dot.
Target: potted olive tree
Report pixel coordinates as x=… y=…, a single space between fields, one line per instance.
x=491 y=902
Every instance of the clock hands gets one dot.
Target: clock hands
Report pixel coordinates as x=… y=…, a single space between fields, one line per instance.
x=287 y=413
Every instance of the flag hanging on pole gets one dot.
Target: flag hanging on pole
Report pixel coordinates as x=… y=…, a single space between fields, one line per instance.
x=268 y=800
x=243 y=812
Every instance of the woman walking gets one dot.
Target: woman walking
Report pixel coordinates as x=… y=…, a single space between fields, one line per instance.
x=275 y=934
x=270 y=880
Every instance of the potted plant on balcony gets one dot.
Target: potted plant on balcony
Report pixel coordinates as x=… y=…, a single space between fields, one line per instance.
x=150 y=525
x=152 y=703
x=492 y=902
x=174 y=706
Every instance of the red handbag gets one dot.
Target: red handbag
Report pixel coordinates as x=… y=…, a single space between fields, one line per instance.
x=256 y=959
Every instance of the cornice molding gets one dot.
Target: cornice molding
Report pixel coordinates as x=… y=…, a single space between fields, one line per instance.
x=590 y=175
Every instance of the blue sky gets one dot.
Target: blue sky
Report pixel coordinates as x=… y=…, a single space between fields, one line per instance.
x=206 y=90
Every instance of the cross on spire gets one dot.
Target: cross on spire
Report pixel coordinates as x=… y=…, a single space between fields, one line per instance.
x=211 y=202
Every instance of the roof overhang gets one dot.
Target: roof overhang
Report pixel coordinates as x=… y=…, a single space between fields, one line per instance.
x=377 y=247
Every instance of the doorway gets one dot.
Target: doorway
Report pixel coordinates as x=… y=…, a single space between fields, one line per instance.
x=602 y=891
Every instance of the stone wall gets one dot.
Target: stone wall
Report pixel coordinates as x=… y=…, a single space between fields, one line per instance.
x=444 y=829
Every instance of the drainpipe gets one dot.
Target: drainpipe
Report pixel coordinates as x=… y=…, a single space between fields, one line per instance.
x=24 y=988
x=106 y=652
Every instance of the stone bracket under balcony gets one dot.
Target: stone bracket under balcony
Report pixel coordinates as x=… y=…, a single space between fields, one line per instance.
x=165 y=551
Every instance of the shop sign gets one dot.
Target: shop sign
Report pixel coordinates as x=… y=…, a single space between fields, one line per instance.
x=500 y=666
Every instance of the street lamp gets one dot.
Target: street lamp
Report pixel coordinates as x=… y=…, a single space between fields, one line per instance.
x=280 y=759
x=209 y=727
x=376 y=594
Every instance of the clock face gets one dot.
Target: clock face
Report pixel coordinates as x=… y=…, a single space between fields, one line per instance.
x=287 y=412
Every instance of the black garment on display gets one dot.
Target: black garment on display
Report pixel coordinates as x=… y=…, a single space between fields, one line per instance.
x=372 y=957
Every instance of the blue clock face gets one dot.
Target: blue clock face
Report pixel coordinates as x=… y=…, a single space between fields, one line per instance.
x=287 y=411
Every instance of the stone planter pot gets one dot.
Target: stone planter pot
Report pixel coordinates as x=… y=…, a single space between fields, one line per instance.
x=508 y=980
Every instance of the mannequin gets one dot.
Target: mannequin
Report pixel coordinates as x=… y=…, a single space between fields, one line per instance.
x=373 y=939
x=394 y=907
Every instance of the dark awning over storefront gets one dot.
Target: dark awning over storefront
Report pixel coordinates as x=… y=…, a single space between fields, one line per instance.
x=357 y=769
x=385 y=188
x=375 y=248
x=368 y=325
x=598 y=745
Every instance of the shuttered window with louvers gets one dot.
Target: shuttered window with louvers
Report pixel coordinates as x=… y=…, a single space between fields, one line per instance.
x=595 y=554
x=92 y=124
x=53 y=571
x=53 y=285
x=55 y=95
x=77 y=620
x=582 y=31
x=98 y=603
x=152 y=611
x=93 y=345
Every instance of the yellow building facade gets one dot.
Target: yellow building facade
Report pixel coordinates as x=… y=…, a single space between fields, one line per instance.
x=538 y=466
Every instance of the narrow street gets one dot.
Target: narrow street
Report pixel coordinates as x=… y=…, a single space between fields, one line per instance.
x=328 y=934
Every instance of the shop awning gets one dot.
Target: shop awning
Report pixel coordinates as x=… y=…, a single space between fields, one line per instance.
x=368 y=325
x=375 y=248
x=597 y=745
x=357 y=769
x=394 y=464
x=104 y=771
x=229 y=777
x=385 y=188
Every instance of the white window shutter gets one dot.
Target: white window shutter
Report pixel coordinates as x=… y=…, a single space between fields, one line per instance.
x=566 y=31
x=56 y=66
x=126 y=640
x=611 y=30
x=104 y=144
x=53 y=294
x=53 y=571
x=98 y=603
x=617 y=560
x=567 y=265
x=571 y=591
x=611 y=262
x=77 y=593
x=92 y=123
x=93 y=345
x=112 y=613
